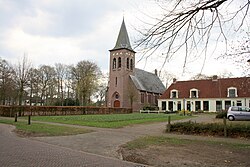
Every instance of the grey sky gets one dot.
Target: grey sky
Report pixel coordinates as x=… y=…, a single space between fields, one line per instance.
x=68 y=31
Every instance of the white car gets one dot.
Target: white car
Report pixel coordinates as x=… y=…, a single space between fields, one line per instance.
x=238 y=113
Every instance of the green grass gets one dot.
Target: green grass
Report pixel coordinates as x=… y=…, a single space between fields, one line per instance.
x=144 y=142
x=109 y=121
x=40 y=129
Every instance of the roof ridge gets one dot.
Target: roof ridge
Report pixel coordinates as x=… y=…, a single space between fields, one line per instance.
x=210 y=79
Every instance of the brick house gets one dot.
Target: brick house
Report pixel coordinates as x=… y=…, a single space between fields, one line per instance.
x=206 y=95
x=128 y=86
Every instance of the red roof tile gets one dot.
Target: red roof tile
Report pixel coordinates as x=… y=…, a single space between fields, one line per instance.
x=209 y=88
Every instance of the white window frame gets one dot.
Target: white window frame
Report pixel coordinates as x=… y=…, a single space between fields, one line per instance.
x=171 y=93
x=236 y=94
x=194 y=90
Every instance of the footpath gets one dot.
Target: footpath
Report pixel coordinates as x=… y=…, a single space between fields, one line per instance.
x=23 y=152
x=106 y=142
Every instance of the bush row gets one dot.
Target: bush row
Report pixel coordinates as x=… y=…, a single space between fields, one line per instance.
x=213 y=129
x=10 y=111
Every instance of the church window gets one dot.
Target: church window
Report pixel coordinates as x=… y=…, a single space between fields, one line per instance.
x=149 y=98
x=142 y=97
x=127 y=63
x=119 y=62
x=115 y=81
x=114 y=63
x=131 y=64
x=156 y=99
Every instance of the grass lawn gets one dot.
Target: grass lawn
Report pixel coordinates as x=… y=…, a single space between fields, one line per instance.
x=144 y=142
x=110 y=120
x=40 y=129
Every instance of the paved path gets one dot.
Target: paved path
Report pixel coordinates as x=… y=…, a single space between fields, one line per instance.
x=106 y=142
x=65 y=150
x=22 y=152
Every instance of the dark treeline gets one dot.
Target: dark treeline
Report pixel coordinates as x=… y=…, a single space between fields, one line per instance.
x=61 y=85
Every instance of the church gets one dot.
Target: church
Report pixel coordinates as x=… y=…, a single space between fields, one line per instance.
x=130 y=87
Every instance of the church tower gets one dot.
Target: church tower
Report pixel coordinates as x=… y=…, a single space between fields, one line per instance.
x=121 y=66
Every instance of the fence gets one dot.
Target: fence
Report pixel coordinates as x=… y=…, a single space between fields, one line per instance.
x=10 y=111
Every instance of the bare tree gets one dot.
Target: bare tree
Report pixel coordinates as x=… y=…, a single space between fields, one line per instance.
x=22 y=70
x=102 y=89
x=166 y=77
x=239 y=53
x=34 y=88
x=70 y=82
x=60 y=74
x=7 y=84
x=192 y=26
x=132 y=94
x=47 y=84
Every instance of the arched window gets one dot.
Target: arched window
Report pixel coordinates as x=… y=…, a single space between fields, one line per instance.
x=114 y=63
x=127 y=63
x=119 y=62
x=131 y=64
x=115 y=81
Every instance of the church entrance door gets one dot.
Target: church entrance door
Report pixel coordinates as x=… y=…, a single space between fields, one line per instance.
x=117 y=103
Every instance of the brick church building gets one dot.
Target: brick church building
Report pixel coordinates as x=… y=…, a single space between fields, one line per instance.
x=129 y=86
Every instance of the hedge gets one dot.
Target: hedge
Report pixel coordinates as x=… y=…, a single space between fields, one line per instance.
x=211 y=129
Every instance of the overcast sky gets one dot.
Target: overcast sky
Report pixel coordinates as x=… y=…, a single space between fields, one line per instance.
x=68 y=31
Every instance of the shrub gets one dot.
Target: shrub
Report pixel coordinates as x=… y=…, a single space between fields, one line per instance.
x=221 y=114
x=214 y=129
x=171 y=112
x=185 y=112
x=151 y=108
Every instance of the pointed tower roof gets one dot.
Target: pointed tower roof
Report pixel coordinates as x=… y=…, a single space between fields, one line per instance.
x=123 y=39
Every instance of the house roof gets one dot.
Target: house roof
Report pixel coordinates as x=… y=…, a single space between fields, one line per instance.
x=146 y=81
x=123 y=39
x=210 y=88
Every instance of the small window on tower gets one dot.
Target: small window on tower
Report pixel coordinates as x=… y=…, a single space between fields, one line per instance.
x=127 y=63
x=114 y=63
x=115 y=81
x=119 y=62
x=131 y=64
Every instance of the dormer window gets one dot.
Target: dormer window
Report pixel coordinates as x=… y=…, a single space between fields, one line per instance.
x=194 y=93
x=232 y=92
x=174 y=93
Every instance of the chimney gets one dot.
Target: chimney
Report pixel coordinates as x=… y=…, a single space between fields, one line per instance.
x=156 y=73
x=215 y=78
x=174 y=80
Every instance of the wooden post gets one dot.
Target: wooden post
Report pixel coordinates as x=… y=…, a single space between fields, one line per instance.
x=169 y=125
x=16 y=117
x=225 y=126
x=29 y=120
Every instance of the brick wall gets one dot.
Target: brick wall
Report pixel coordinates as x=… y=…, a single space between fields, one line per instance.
x=9 y=111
